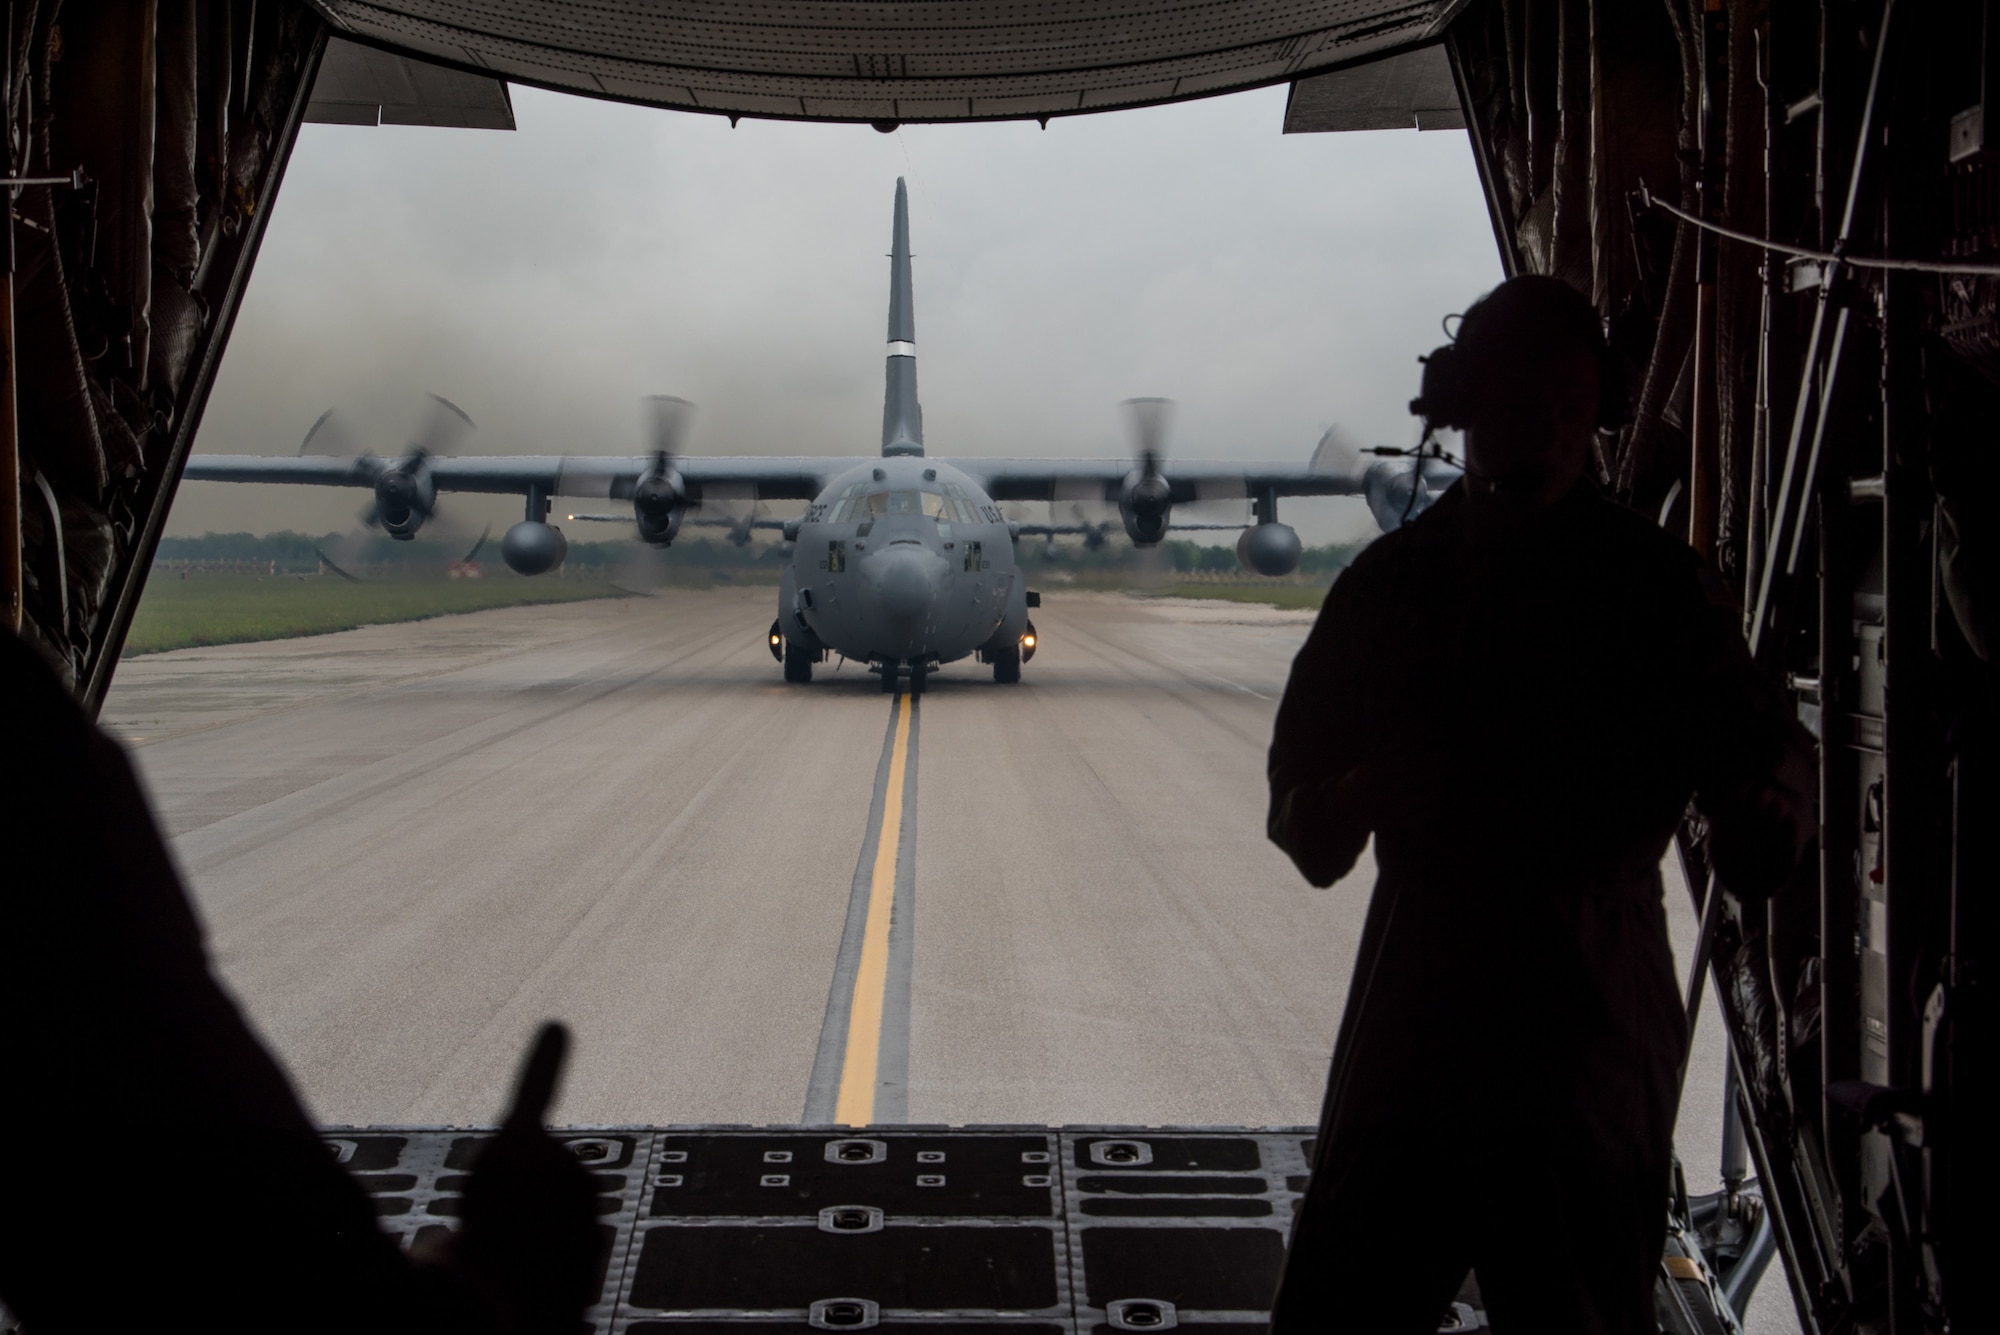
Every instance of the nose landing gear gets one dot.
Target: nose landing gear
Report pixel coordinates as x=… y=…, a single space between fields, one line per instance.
x=920 y=674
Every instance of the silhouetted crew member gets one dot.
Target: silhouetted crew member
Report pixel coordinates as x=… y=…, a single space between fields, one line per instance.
x=1516 y=694
x=155 y=1165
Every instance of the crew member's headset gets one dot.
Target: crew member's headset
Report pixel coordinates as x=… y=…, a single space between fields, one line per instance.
x=1450 y=387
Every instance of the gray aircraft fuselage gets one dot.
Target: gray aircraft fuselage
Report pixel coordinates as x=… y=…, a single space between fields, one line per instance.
x=904 y=559
x=903 y=562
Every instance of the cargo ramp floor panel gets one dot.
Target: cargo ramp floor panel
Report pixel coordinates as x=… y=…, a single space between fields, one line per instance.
x=911 y=1230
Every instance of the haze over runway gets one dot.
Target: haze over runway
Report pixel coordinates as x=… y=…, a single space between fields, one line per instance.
x=544 y=279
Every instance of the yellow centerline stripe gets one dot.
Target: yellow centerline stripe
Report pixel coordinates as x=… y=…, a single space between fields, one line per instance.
x=855 y=1105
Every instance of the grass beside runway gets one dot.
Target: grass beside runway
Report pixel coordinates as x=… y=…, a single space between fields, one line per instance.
x=1294 y=593
x=1293 y=596
x=216 y=608
x=210 y=607
x=1274 y=593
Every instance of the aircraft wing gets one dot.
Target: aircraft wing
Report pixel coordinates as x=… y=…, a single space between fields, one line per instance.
x=1065 y=530
x=590 y=477
x=753 y=478
x=614 y=477
x=306 y=470
x=695 y=520
x=1190 y=480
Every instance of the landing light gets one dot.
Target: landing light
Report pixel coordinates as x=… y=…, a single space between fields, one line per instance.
x=1027 y=641
x=777 y=639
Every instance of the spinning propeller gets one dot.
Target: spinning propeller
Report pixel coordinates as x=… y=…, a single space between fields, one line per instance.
x=1095 y=535
x=1147 y=500
x=659 y=496
x=1398 y=484
x=405 y=495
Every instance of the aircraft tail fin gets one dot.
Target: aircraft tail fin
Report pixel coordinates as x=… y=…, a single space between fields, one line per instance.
x=902 y=415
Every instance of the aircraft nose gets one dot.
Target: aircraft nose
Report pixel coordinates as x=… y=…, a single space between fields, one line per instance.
x=903 y=583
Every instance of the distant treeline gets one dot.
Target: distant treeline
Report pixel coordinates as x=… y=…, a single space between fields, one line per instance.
x=293 y=552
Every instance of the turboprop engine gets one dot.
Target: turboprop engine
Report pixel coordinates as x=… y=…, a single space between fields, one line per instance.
x=1146 y=505
x=1399 y=491
x=660 y=496
x=405 y=496
x=658 y=500
x=405 y=491
x=1146 y=502
x=1399 y=485
x=1390 y=491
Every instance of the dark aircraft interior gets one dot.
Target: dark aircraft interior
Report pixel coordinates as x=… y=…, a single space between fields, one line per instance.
x=1787 y=213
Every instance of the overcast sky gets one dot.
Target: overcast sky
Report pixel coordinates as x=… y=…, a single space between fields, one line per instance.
x=545 y=279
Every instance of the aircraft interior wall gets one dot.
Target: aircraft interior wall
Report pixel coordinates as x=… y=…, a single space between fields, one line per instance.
x=1824 y=434
x=152 y=143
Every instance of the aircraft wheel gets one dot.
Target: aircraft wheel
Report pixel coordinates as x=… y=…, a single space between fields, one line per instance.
x=798 y=663
x=1007 y=665
x=919 y=678
x=888 y=676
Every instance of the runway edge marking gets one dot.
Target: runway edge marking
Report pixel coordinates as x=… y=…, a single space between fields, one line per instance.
x=861 y=1070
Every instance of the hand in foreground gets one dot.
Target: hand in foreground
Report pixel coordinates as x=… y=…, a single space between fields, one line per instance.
x=1325 y=825
x=530 y=1239
x=1759 y=835
x=1401 y=787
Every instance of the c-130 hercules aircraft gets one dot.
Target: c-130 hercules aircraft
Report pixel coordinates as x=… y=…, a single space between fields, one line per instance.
x=902 y=561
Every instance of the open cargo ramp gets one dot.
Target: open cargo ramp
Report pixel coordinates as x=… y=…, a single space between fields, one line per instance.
x=917 y=1230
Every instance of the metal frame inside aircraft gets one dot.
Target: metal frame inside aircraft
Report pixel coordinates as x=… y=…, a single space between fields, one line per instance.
x=1787 y=212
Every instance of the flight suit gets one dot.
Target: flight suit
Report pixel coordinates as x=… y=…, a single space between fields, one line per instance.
x=1504 y=1084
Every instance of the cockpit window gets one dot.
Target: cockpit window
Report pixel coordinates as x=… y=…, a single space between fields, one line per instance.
x=959 y=504
x=948 y=505
x=907 y=503
x=849 y=508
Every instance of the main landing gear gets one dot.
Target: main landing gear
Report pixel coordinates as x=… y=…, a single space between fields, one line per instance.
x=798 y=664
x=798 y=661
x=1007 y=662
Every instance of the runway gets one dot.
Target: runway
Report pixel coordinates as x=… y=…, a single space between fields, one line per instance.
x=413 y=843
